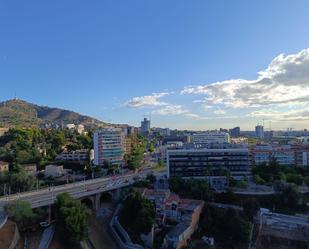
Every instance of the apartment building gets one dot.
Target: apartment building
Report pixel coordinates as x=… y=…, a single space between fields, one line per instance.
x=109 y=146
x=82 y=155
x=170 y=206
x=127 y=146
x=203 y=163
x=210 y=137
x=289 y=155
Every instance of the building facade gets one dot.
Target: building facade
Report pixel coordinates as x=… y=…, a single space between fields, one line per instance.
x=127 y=146
x=108 y=146
x=235 y=132
x=200 y=163
x=75 y=156
x=259 y=131
x=210 y=137
x=145 y=126
x=289 y=155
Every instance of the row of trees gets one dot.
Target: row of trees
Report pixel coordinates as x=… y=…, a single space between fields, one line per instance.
x=16 y=180
x=268 y=174
x=197 y=189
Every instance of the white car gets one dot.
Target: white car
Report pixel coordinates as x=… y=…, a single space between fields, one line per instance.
x=44 y=224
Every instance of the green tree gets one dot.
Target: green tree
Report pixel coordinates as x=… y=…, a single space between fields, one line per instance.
x=151 y=178
x=251 y=206
x=21 y=212
x=137 y=214
x=71 y=218
x=151 y=147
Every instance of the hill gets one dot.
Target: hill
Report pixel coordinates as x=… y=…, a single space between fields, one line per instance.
x=21 y=113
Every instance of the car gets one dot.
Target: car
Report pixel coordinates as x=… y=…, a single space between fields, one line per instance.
x=44 y=224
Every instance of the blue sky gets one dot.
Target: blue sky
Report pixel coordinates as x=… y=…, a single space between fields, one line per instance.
x=119 y=60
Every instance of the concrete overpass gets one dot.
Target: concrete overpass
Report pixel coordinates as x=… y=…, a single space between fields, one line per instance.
x=91 y=189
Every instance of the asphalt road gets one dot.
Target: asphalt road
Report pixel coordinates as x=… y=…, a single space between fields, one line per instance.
x=47 y=196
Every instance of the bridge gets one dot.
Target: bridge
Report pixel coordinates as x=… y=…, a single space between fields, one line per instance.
x=90 y=189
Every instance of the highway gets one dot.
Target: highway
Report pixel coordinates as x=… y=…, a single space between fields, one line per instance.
x=47 y=196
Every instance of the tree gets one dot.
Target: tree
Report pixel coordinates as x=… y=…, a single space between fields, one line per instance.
x=251 y=206
x=192 y=188
x=230 y=229
x=306 y=180
x=151 y=147
x=21 y=212
x=137 y=214
x=151 y=178
x=71 y=218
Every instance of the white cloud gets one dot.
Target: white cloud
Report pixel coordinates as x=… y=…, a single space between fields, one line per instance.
x=291 y=115
x=171 y=110
x=147 y=101
x=177 y=110
x=285 y=80
x=219 y=112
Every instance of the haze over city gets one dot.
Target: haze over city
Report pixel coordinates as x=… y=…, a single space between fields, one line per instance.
x=192 y=65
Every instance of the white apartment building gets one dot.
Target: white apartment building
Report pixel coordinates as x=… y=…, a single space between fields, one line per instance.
x=76 y=156
x=210 y=137
x=108 y=146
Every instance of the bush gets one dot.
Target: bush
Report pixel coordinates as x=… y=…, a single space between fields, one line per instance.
x=258 y=180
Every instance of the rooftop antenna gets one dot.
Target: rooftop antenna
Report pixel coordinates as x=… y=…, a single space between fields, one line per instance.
x=263 y=121
x=15 y=96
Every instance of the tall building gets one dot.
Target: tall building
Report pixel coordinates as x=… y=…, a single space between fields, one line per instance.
x=108 y=145
x=145 y=126
x=210 y=137
x=259 y=131
x=235 y=132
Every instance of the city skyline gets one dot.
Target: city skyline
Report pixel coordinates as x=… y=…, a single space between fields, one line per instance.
x=192 y=66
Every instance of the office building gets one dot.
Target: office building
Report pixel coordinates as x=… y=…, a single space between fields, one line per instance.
x=108 y=146
x=211 y=137
x=259 y=131
x=145 y=126
x=201 y=163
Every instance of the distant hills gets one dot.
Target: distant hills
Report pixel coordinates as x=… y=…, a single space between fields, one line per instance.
x=18 y=112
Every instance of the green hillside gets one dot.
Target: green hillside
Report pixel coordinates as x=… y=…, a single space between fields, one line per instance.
x=21 y=113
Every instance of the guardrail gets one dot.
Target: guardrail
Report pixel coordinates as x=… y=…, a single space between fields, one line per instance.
x=47 y=237
x=3 y=219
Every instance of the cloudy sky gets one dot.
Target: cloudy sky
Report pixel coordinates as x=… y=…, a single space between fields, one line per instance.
x=191 y=64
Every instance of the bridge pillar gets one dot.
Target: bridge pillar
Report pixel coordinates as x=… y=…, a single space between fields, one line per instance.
x=97 y=202
x=116 y=195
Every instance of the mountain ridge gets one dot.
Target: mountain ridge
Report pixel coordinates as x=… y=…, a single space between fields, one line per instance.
x=17 y=112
